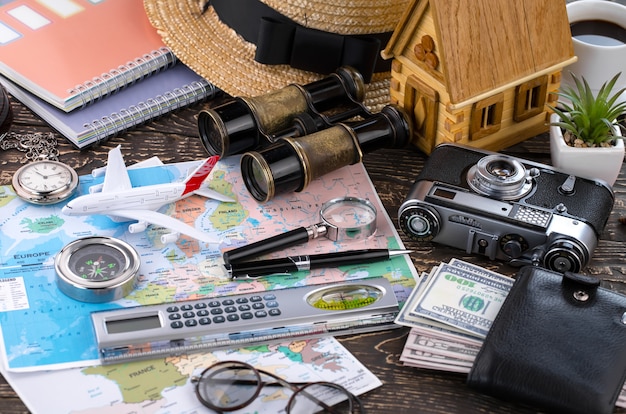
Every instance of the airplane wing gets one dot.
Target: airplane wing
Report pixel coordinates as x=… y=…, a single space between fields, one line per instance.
x=150 y=162
x=212 y=194
x=116 y=177
x=160 y=219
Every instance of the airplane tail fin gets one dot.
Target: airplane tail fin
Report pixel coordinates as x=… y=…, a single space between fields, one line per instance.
x=196 y=178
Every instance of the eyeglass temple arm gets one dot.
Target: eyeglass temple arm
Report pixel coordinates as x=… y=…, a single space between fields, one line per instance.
x=293 y=386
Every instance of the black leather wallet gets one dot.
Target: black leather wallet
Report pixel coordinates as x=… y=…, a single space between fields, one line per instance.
x=558 y=343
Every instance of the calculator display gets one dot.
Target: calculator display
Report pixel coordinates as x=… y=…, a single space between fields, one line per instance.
x=133 y=324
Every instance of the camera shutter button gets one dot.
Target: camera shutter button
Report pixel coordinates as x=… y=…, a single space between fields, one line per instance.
x=567 y=188
x=561 y=208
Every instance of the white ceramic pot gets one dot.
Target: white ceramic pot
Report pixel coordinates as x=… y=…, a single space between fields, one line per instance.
x=593 y=163
x=599 y=59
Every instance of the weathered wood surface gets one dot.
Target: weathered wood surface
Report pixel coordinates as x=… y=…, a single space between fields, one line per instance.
x=174 y=138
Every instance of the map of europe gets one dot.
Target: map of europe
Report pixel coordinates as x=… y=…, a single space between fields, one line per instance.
x=43 y=329
x=163 y=386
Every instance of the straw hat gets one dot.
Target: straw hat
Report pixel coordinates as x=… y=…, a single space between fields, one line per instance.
x=223 y=56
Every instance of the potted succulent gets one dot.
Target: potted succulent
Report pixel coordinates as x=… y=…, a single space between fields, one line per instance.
x=585 y=137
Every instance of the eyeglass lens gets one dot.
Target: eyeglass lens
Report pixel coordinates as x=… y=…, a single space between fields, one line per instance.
x=323 y=397
x=229 y=386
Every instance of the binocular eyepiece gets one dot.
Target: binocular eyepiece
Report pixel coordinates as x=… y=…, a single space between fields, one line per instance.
x=248 y=123
x=291 y=163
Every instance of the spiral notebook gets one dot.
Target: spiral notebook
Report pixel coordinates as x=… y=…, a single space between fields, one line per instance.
x=72 y=52
x=159 y=94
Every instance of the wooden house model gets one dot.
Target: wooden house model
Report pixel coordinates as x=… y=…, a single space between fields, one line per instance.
x=479 y=72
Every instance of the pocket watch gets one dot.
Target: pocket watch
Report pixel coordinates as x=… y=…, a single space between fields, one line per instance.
x=45 y=182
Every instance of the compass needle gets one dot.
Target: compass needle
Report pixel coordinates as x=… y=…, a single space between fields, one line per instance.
x=87 y=269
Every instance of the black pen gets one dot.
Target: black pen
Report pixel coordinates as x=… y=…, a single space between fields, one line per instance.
x=290 y=264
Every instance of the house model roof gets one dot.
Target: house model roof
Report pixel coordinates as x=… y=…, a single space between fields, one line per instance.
x=484 y=45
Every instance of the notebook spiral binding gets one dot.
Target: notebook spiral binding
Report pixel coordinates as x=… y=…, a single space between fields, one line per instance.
x=124 y=75
x=108 y=126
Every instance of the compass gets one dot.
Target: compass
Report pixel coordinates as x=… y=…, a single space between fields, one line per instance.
x=344 y=297
x=97 y=269
x=45 y=182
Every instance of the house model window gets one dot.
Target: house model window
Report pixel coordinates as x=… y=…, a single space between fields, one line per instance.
x=530 y=98
x=486 y=116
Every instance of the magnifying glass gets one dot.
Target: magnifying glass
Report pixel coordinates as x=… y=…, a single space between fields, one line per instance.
x=342 y=219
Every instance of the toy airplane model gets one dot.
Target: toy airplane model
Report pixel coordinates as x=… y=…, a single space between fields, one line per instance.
x=120 y=201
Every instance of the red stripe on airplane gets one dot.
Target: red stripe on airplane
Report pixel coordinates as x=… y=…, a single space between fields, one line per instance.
x=197 y=178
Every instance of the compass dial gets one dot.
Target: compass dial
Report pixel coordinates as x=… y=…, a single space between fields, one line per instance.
x=344 y=297
x=97 y=269
x=97 y=263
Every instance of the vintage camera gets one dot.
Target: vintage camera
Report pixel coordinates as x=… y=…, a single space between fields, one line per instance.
x=506 y=208
x=291 y=163
x=249 y=123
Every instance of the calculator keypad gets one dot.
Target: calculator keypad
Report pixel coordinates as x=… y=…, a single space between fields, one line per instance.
x=221 y=311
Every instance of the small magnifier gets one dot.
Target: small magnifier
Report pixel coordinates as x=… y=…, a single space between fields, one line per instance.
x=342 y=219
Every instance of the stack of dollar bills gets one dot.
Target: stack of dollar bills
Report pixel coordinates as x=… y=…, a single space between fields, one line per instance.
x=450 y=311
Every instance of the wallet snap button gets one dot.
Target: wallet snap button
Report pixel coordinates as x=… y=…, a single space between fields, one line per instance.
x=581 y=296
x=624 y=318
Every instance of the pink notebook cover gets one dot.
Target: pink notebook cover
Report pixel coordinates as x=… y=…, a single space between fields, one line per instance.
x=56 y=48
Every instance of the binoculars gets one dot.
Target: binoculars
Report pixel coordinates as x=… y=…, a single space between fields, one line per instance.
x=291 y=163
x=249 y=123
x=293 y=135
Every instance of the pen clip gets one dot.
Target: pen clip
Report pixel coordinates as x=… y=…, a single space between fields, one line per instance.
x=247 y=276
x=229 y=271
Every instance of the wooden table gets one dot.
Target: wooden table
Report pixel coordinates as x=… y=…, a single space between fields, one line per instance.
x=174 y=138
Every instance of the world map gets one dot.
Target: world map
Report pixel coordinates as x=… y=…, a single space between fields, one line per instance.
x=43 y=329
x=163 y=386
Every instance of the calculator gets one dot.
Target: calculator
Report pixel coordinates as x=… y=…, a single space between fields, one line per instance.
x=168 y=329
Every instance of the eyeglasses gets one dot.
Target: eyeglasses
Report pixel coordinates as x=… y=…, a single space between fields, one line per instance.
x=232 y=385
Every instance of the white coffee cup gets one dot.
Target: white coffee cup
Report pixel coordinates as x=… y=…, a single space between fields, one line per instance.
x=599 y=57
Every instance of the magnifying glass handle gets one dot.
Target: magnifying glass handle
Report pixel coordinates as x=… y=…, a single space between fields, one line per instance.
x=278 y=242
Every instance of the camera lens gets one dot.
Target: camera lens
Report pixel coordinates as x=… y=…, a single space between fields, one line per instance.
x=500 y=177
x=501 y=169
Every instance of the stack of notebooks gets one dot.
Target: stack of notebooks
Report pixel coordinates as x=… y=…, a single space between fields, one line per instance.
x=91 y=68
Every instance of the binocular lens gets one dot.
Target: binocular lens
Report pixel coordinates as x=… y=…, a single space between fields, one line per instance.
x=228 y=129
x=276 y=169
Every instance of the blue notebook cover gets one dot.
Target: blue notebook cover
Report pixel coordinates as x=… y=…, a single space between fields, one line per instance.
x=145 y=100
